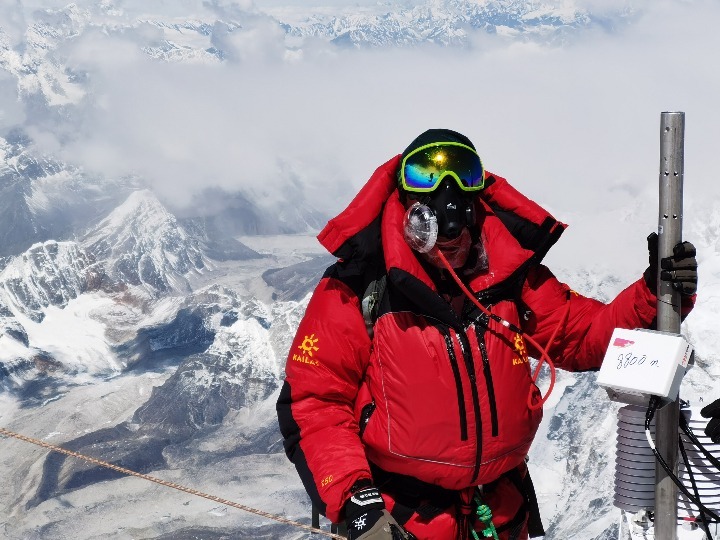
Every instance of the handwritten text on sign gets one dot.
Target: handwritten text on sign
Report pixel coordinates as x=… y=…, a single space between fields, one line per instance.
x=629 y=359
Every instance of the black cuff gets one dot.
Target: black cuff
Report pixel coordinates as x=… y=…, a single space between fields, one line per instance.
x=362 y=501
x=361 y=484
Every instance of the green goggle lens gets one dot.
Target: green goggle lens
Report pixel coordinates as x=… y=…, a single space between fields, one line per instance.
x=424 y=168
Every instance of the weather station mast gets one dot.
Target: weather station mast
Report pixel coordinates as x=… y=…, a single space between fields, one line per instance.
x=644 y=369
x=672 y=158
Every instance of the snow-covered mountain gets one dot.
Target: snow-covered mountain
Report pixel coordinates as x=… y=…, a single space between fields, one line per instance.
x=144 y=245
x=46 y=77
x=48 y=274
x=46 y=199
x=447 y=23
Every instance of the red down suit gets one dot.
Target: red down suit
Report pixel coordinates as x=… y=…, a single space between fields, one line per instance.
x=434 y=395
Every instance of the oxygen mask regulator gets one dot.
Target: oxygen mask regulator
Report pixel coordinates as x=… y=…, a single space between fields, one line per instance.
x=446 y=213
x=420 y=227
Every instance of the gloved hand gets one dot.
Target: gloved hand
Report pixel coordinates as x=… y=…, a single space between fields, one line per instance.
x=712 y=411
x=680 y=269
x=367 y=518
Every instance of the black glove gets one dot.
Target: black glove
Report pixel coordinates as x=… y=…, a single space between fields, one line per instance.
x=712 y=411
x=367 y=519
x=680 y=269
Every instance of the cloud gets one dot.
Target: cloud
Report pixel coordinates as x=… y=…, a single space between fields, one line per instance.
x=260 y=42
x=12 y=24
x=11 y=110
x=575 y=127
x=608 y=6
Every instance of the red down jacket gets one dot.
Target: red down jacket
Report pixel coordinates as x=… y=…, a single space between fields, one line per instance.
x=432 y=395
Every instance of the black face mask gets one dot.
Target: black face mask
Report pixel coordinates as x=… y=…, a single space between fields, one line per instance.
x=453 y=208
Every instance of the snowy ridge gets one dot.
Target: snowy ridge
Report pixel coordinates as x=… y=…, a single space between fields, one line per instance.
x=142 y=244
x=19 y=228
x=48 y=274
x=187 y=41
x=35 y=66
x=16 y=161
x=239 y=370
x=446 y=23
x=46 y=199
x=42 y=70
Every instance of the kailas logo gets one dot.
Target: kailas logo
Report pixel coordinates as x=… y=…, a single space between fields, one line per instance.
x=620 y=342
x=521 y=350
x=360 y=523
x=308 y=347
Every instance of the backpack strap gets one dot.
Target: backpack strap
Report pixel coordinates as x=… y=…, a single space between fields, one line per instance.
x=371 y=302
x=524 y=485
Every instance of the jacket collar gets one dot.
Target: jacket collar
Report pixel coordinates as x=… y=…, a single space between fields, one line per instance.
x=343 y=235
x=515 y=230
x=505 y=254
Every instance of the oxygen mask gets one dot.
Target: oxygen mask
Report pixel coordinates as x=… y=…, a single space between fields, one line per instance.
x=440 y=220
x=420 y=229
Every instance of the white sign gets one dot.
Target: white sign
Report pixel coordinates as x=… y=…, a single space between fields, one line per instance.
x=645 y=363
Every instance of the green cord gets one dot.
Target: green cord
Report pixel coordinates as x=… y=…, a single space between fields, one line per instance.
x=484 y=514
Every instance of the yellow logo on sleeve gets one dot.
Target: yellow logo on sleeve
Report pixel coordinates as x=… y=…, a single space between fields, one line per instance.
x=308 y=347
x=326 y=481
x=308 y=344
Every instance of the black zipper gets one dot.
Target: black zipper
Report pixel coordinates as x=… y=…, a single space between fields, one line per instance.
x=365 y=415
x=480 y=334
x=470 y=366
x=458 y=382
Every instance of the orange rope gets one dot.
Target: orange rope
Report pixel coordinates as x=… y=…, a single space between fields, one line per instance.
x=165 y=483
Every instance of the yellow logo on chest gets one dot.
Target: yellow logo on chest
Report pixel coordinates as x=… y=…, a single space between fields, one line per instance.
x=520 y=350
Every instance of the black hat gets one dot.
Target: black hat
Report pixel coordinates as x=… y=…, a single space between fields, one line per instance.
x=437 y=135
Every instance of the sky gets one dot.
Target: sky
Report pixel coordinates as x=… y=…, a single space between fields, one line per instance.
x=575 y=127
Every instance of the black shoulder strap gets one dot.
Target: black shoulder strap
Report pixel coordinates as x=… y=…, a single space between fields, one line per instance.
x=371 y=302
x=524 y=485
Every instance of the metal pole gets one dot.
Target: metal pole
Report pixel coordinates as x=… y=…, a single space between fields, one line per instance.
x=672 y=142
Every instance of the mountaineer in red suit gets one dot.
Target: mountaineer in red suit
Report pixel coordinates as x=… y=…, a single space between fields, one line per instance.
x=409 y=403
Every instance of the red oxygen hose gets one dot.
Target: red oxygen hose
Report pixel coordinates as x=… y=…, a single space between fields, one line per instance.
x=544 y=357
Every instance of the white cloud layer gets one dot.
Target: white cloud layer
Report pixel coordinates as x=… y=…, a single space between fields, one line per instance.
x=575 y=127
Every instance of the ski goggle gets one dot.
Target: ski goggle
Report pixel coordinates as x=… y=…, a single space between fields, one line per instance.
x=423 y=169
